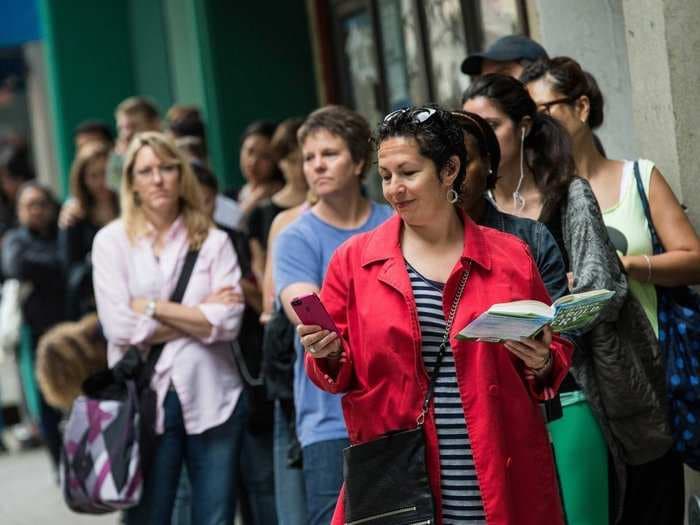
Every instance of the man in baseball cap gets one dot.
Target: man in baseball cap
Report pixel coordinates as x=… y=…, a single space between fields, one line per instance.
x=508 y=55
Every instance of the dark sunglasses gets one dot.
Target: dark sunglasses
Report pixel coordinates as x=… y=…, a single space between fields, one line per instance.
x=418 y=115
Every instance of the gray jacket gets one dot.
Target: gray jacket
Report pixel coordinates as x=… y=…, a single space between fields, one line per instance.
x=617 y=363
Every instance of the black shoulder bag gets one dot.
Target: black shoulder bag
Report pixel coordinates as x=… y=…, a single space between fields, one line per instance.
x=386 y=479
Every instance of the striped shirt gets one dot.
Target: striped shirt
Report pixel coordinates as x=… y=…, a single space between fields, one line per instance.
x=461 y=497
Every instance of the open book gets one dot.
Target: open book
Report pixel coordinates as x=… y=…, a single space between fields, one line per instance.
x=521 y=319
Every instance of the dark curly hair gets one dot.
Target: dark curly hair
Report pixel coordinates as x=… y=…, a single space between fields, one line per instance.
x=548 y=149
x=439 y=136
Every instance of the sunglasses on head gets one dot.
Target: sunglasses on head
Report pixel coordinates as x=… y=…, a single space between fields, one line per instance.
x=417 y=115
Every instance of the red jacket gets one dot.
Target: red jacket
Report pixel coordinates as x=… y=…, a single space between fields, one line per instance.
x=368 y=293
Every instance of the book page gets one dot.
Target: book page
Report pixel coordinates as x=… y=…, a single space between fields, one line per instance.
x=497 y=328
x=528 y=308
x=584 y=296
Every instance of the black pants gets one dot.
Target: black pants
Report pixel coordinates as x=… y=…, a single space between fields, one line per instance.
x=655 y=493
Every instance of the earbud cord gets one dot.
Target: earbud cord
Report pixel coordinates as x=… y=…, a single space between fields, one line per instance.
x=518 y=200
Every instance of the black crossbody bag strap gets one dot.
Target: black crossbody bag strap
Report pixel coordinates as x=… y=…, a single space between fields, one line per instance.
x=655 y=241
x=176 y=297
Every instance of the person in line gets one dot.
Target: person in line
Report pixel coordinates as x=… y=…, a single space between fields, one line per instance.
x=561 y=88
x=90 y=131
x=187 y=128
x=258 y=166
x=30 y=254
x=279 y=357
x=508 y=55
x=488 y=459
x=132 y=115
x=483 y=158
x=255 y=490
x=137 y=260
x=278 y=371
x=92 y=206
x=15 y=170
x=335 y=144
x=605 y=398
x=184 y=124
x=286 y=149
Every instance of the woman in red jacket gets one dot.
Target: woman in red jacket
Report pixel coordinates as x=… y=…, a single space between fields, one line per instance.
x=388 y=291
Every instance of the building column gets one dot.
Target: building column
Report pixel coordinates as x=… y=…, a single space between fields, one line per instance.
x=40 y=115
x=663 y=45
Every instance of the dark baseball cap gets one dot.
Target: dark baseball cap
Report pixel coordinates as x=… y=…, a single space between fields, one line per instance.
x=505 y=49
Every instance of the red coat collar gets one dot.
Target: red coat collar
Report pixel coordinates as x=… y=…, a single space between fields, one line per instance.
x=384 y=243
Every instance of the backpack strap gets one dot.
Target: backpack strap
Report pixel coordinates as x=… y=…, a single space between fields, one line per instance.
x=176 y=297
x=656 y=243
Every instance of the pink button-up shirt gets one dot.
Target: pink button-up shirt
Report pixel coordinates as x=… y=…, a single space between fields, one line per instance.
x=202 y=371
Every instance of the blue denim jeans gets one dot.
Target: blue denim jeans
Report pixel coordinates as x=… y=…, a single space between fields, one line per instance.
x=257 y=479
x=211 y=468
x=290 y=496
x=253 y=463
x=323 y=477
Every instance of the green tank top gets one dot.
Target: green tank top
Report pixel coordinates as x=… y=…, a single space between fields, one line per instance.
x=629 y=232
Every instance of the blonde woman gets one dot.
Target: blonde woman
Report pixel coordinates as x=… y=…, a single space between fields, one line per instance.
x=137 y=260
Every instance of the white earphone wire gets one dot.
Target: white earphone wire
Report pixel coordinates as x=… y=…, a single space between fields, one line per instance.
x=518 y=200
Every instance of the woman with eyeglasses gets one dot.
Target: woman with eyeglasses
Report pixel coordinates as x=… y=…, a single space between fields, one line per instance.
x=137 y=260
x=392 y=293
x=571 y=95
x=613 y=391
x=336 y=148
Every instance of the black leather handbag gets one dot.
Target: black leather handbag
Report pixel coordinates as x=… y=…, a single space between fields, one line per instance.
x=386 y=479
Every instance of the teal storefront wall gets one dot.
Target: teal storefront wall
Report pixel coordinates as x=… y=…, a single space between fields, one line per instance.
x=237 y=62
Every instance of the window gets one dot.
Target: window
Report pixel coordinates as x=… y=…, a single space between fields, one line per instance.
x=396 y=53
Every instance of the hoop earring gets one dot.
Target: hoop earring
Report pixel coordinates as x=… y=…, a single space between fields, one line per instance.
x=518 y=199
x=452 y=196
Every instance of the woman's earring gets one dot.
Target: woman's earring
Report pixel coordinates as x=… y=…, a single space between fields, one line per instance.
x=452 y=196
x=137 y=199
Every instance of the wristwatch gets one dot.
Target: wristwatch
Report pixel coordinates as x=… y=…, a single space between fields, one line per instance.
x=150 y=310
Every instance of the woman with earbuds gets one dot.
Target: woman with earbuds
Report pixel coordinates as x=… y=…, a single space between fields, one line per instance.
x=537 y=180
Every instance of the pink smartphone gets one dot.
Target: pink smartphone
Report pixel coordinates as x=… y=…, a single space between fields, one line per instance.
x=310 y=310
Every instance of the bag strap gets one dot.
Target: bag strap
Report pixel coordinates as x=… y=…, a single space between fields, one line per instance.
x=656 y=243
x=176 y=297
x=443 y=346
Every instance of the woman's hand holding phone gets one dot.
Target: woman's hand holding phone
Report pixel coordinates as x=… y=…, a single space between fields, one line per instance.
x=318 y=342
x=317 y=331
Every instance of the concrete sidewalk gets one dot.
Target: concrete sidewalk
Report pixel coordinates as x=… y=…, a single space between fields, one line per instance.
x=29 y=495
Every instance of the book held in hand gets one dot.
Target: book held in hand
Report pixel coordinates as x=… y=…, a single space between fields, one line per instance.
x=522 y=319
